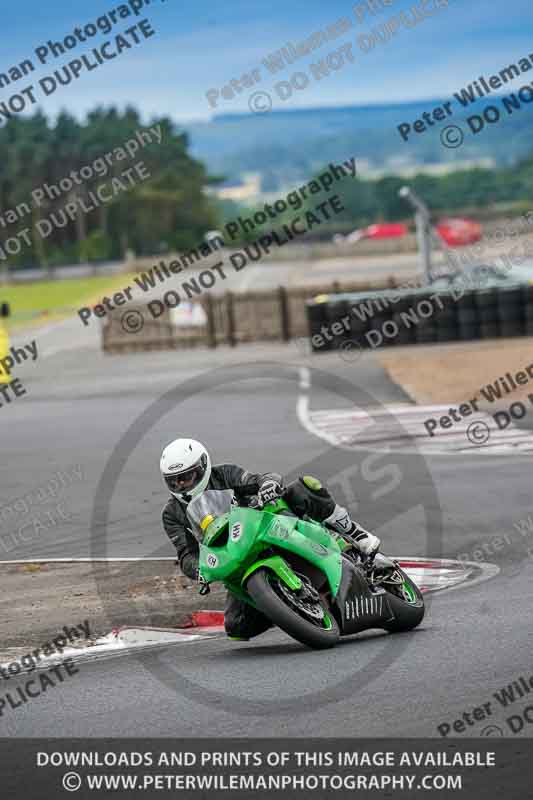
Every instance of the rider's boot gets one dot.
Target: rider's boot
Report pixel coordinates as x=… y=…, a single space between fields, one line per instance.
x=363 y=541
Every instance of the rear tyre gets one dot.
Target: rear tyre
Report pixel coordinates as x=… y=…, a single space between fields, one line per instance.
x=273 y=598
x=407 y=603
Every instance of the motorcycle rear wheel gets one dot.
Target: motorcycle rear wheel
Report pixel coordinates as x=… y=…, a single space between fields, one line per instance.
x=275 y=605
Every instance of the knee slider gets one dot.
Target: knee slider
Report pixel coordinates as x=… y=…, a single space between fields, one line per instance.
x=314 y=485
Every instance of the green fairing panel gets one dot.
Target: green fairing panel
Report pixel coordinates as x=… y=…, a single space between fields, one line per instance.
x=309 y=540
x=275 y=564
x=251 y=531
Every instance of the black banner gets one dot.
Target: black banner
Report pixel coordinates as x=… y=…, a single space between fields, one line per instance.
x=261 y=768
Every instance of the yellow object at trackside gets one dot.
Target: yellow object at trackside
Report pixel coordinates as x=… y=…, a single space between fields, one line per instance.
x=4 y=351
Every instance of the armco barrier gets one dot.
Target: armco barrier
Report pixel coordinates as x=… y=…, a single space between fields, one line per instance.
x=419 y=316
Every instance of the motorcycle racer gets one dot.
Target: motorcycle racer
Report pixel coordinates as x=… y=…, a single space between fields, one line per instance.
x=187 y=471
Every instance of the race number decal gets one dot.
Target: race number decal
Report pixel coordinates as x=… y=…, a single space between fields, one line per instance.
x=278 y=530
x=212 y=560
x=236 y=531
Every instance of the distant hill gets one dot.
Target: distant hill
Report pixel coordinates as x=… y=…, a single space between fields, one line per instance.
x=288 y=146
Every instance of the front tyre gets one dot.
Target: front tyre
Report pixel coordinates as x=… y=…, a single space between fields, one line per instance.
x=302 y=617
x=407 y=604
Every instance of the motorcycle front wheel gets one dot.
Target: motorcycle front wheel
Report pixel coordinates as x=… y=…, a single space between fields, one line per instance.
x=407 y=604
x=306 y=621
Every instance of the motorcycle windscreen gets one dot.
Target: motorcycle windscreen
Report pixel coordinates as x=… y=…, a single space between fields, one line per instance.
x=209 y=505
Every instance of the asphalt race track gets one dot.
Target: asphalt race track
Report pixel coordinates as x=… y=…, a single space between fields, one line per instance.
x=473 y=640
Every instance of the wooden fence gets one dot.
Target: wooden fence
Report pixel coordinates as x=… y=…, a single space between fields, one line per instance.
x=231 y=319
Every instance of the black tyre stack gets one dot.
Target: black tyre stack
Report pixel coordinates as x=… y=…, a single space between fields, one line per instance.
x=527 y=301
x=382 y=316
x=447 y=319
x=498 y=311
x=407 y=334
x=359 y=327
x=426 y=330
x=467 y=317
x=487 y=313
x=334 y=314
x=511 y=311
x=317 y=317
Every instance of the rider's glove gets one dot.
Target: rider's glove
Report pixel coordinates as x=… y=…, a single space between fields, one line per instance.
x=189 y=566
x=269 y=491
x=366 y=542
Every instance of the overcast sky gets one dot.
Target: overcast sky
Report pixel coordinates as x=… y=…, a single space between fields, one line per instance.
x=203 y=44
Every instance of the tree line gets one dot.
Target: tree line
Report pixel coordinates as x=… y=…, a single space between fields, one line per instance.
x=172 y=210
x=462 y=191
x=168 y=211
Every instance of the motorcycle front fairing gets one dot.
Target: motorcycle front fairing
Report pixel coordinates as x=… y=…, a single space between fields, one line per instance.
x=233 y=541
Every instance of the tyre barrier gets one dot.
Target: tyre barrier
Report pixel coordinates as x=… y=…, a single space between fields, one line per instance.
x=419 y=316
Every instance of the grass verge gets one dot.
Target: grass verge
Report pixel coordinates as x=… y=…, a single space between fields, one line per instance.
x=35 y=303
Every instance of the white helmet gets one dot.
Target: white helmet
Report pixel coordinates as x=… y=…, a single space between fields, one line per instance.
x=186 y=468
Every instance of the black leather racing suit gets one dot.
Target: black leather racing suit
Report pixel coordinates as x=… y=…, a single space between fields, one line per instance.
x=240 y=619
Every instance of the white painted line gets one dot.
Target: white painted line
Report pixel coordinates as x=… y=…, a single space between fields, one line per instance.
x=305 y=378
x=85 y=560
x=302 y=412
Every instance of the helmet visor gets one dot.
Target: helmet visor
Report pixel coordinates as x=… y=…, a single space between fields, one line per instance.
x=186 y=481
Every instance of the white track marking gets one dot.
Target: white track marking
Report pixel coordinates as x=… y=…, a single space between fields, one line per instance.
x=109 y=646
x=443 y=576
x=446 y=574
x=402 y=429
x=302 y=409
x=305 y=378
x=86 y=560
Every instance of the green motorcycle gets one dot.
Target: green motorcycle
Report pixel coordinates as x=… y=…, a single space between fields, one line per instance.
x=306 y=579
